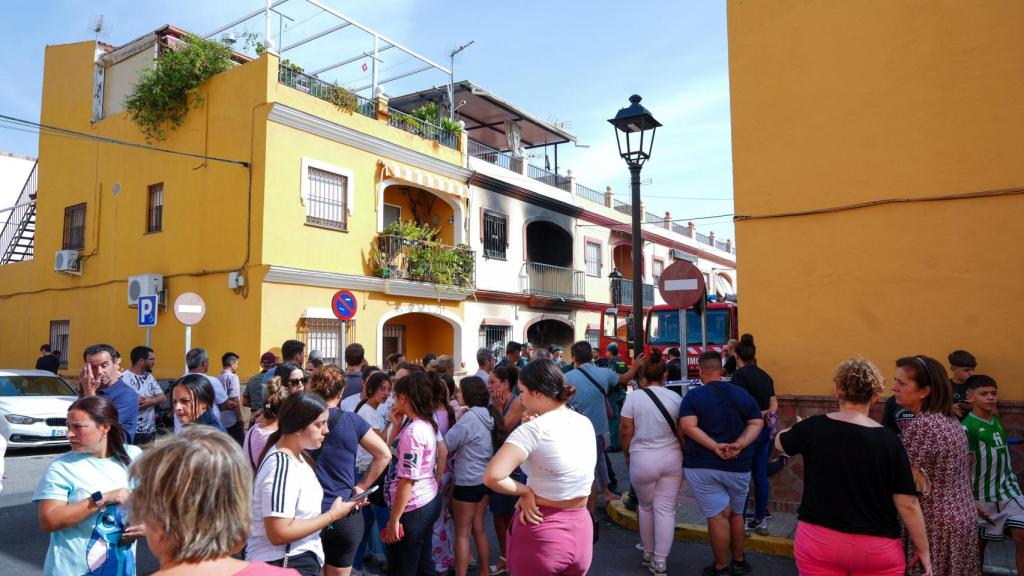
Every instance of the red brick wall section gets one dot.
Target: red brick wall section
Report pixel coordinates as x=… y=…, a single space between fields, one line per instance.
x=787 y=485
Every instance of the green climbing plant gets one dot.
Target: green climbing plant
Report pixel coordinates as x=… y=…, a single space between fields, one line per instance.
x=163 y=94
x=419 y=256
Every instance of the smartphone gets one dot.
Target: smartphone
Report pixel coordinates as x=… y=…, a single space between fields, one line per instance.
x=362 y=495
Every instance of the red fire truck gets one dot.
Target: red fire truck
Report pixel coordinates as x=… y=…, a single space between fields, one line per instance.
x=661 y=329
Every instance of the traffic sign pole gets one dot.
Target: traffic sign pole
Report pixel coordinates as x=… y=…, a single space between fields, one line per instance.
x=149 y=337
x=189 y=309
x=188 y=342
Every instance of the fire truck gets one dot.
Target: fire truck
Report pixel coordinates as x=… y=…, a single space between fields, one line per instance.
x=661 y=330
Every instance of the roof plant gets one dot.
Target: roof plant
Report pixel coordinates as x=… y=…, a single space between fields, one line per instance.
x=163 y=95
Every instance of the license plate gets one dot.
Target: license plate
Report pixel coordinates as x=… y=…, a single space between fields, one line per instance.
x=58 y=432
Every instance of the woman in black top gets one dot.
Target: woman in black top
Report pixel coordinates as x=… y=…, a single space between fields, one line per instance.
x=857 y=485
x=758 y=384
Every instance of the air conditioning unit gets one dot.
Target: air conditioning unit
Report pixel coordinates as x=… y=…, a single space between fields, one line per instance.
x=144 y=285
x=67 y=261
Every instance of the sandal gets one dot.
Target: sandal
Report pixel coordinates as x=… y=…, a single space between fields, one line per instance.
x=503 y=571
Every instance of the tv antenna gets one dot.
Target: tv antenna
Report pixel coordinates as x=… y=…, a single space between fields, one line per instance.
x=451 y=77
x=99 y=27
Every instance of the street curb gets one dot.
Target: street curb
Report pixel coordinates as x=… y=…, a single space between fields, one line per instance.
x=694 y=533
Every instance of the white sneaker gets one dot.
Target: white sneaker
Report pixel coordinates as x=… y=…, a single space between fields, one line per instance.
x=658 y=568
x=645 y=560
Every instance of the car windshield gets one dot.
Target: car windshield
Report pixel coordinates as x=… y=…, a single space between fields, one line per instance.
x=664 y=327
x=34 y=386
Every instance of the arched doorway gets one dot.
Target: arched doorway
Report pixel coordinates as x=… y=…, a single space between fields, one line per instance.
x=415 y=332
x=544 y=333
x=406 y=202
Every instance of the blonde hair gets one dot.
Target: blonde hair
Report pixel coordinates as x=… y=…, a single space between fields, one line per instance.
x=195 y=487
x=442 y=365
x=328 y=382
x=273 y=397
x=858 y=380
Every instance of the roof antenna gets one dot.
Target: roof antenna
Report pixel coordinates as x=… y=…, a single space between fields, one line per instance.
x=451 y=78
x=99 y=27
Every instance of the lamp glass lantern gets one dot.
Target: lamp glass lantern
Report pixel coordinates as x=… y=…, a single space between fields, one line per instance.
x=635 y=127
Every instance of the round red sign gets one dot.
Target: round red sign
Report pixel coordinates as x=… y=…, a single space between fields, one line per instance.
x=681 y=285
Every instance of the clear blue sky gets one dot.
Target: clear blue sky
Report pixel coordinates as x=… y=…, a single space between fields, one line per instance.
x=575 y=61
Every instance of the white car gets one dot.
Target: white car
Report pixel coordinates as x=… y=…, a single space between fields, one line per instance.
x=34 y=408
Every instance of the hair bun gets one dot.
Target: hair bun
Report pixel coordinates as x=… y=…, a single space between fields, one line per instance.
x=747 y=339
x=655 y=355
x=566 y=393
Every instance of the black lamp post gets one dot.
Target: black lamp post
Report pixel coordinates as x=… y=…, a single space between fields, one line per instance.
x=632 y=125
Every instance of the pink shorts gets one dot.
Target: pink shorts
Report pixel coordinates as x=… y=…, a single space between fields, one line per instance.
x=820 y=551
x=561 y=544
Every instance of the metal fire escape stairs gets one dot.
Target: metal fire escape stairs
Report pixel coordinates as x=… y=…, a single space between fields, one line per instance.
x=17 y=238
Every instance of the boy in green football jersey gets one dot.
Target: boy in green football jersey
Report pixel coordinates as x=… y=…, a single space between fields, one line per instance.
x=997 y=493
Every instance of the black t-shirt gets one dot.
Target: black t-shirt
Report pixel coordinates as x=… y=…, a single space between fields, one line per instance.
x=757 y=383
x=49 y=363
x=675 y=370
x=850 y=475
x=729 y=366
x=895 y=417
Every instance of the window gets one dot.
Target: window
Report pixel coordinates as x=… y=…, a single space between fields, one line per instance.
x=324 y=336
x=74 y=227
x=326 y=196
x=60 y=337
x=592 y=257
x=394 y=340
x=495 y=338
x=391 y=214
x=155 y=209
x=658 y=265
x=495 y=228
x=593 y=337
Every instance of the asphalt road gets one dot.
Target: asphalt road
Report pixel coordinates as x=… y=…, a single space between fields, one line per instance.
x=23 y=544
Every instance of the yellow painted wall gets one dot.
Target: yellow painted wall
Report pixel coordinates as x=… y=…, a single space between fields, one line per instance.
x=424 y=334
x=836 y=103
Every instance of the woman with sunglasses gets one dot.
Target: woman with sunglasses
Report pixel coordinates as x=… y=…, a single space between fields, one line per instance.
x=937 y=446
x=292 y=377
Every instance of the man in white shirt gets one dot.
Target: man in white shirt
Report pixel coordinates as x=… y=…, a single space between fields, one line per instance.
x=140 y=378
x=198 y=362
x=231 y=419
x=484 y=359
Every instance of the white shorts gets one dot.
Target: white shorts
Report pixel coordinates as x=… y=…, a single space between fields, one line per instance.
x=1002 y=516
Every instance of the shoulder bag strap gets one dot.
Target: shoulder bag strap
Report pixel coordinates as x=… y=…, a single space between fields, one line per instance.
x=359 y=406
x=252 y=459
x=661 y=408
x=594 y=382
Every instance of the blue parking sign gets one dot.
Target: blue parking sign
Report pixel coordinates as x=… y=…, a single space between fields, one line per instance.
x=147 y=311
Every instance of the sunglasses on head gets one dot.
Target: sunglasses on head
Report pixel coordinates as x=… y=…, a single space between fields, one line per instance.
x=302 y=380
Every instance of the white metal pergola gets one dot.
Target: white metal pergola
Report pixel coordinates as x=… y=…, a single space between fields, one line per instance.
x=326 y=40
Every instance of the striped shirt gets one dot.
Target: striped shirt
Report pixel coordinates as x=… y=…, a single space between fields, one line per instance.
x=994 y=480
x=284 y=488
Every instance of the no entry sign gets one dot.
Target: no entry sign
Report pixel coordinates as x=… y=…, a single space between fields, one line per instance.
x=681 y=284
x=343 y=304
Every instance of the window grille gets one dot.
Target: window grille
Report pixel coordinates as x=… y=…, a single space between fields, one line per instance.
x=594 y=338
x=495 y=235
x=324 y=336
x=495 y=338
x=60 y=338
x=325 y=203
x=155 y=209
x=74 y=227
x=592 y=256
x=393 y=340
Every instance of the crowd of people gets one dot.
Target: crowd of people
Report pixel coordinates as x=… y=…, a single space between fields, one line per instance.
x=338 y=466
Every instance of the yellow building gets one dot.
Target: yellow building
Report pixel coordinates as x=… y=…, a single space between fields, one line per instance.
x=878 y=172
x=270 y=197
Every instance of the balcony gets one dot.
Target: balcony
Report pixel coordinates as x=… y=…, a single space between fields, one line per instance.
x=622 y=292
x=402 y=258
x=552 y=281
x=509 y=162
x=422 y=128
x=325 y=91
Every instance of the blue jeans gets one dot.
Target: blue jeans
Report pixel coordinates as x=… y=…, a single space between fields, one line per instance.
x=370 y=513
x=759 y=474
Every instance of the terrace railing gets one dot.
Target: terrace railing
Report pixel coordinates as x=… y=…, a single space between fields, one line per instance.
x=422 y=128
x=498 y=158
x=552 y=281
x=325 y=91
x=549 y=178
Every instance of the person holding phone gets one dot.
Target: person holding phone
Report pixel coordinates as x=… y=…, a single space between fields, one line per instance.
x=336 y=466
x=287 y=513
x=962 y=366
x=81 y=494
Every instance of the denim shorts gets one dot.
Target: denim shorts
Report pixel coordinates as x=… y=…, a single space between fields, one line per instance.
x=715 y=490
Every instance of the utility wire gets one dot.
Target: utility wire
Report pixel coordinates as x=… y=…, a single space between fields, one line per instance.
x=81 y=135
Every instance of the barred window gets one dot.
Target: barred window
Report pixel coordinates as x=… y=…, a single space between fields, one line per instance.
x=155 y=208
x=326 y=199
x=495 y=338
x=656 y=269
x=60 y=338
x=393 y=339
x=324 y=336
x=74 y=227
x=593 y=337
x=592 y=257
x=495 y=229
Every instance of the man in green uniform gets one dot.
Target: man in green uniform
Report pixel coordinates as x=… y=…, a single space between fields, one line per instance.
x=997 y=492
x=616 y=396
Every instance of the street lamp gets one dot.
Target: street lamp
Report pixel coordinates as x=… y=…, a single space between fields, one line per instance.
x=632 y=125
